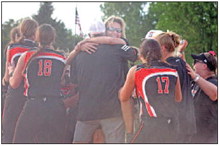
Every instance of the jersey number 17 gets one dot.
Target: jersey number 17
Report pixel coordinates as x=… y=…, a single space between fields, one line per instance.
x=159 y=85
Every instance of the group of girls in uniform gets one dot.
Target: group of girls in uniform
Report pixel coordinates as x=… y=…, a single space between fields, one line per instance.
x=35 y=111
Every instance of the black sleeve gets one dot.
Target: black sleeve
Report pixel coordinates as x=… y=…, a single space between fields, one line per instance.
x=126 y=41
x=129 y=53
x=73 y=73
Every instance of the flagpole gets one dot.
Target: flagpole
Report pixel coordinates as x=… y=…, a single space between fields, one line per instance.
x=75 y=17
x=75 y=24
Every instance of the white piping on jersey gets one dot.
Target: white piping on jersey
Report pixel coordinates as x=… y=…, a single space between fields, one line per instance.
x=125 y=47
x=143 y=87
x=16 y=55
x=53 y=57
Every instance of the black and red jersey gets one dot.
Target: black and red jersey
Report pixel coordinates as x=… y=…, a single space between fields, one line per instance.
x=155 y=85
x=43 y=73
x=15 y=50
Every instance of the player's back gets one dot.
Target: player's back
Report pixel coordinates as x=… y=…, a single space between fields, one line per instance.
x=43 y=74
x=156 y=86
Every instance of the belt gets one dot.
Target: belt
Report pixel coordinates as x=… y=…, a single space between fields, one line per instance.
x=154 y=119
x=44 y=98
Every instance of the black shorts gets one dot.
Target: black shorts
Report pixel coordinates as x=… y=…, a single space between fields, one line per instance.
x=156 y=130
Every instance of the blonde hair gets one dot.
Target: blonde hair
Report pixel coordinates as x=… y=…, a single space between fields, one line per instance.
x=27 y=28
x=116 y=19
x=170 y=40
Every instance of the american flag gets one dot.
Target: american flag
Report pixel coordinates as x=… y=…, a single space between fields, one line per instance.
x=77 y=21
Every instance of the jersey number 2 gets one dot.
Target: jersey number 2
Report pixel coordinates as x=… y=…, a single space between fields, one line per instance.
x=45 y=67
x=159 y=85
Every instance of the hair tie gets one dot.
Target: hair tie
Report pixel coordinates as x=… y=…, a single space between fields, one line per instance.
x=212 y=53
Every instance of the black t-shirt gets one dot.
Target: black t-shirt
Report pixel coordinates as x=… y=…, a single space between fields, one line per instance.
x=187 y=122
x=206 y=110
x=125 y=62
x=99 y=77
x=43 y=74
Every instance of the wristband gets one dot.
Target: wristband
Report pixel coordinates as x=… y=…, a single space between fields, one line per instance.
x=196 y=78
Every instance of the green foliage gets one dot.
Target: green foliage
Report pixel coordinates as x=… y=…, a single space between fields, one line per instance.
x=133 y=15
x=44 y=13
x=194 y=21
x=64 y=37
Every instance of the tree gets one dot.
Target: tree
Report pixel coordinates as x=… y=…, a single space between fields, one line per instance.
x=44 y=13
x=194 y=21
x=64 y=38
x=64 y=41
x=134 y=16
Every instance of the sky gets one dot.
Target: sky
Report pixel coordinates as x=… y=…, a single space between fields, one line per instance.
x=64 y=11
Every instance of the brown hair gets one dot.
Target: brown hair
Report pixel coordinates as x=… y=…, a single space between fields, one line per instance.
x=28 y=28
x=170 y=40
x=45 y=35
x=116 y=19
x=212 y=59
x=150 y=50
x=14 y=35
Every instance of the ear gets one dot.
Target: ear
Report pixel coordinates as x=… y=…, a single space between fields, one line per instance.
x=163 y=48
x=205 y=66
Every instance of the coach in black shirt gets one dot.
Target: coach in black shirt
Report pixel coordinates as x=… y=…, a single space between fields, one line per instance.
x=99 y=77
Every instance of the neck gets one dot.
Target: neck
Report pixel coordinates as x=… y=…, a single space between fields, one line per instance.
x=45 y=46
x=166 y=55
x=209 y=74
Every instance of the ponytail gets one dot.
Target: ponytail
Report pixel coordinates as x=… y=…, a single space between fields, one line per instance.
x=170 y=40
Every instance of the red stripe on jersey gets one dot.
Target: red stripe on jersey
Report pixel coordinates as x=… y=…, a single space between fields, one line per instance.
x=27 y=57
x=51 y=54
x=140 y=75
x=26 y=85
x=15 y=51
x=29 y=54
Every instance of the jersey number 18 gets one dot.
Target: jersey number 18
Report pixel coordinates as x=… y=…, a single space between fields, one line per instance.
x=45 y=67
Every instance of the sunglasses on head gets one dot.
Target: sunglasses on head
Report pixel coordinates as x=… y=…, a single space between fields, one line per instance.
x=114 y=29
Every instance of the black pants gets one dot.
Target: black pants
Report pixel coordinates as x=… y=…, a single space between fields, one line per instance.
x=71 y=119
x=41 y=121
x=13 y=106
x=156 y=130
